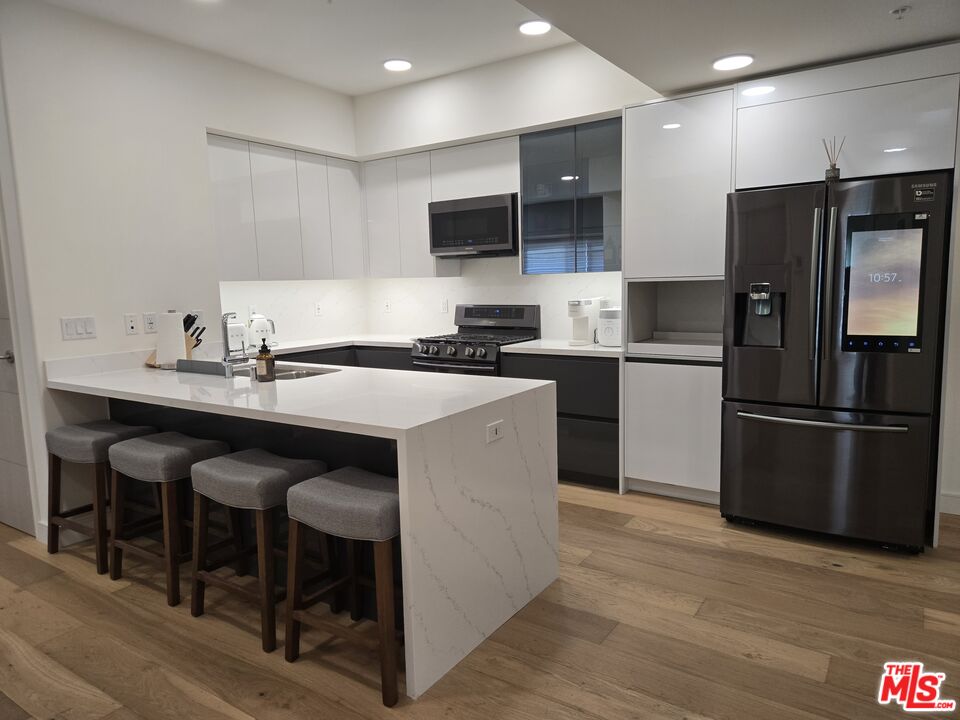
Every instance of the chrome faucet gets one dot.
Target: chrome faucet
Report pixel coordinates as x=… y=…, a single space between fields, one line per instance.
x=229 y=355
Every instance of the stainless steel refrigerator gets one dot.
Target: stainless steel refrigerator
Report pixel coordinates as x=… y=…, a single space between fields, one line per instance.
x=832 y=355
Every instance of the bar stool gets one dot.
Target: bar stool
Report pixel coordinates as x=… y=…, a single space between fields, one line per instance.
x=355 y=504
x=164 y=458
x=84 y=444
x=247 y=480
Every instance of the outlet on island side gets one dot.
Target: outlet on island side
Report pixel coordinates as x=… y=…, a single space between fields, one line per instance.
x=494 y=431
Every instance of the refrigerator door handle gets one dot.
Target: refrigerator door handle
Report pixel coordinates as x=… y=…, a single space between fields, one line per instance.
x=828 y=280
x=814 y=281
x=821 y=423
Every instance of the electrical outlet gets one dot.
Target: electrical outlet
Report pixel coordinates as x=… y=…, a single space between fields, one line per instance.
x=131 y=323
x=445 y=306
x=494 y=431
x=150 y=323
x=318 y=309
x=78 y=328
x=387 y=306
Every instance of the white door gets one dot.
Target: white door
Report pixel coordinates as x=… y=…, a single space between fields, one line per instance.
x=383 y=225
x=315 y=216
x=276 y=207
x=232 y=196
x=15 y=506
x=346 y=218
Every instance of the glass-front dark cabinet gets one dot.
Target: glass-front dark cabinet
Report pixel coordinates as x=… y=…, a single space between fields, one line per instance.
x=570 y=180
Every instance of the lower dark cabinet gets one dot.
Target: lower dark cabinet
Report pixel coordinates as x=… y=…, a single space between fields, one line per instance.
x=384 y=358
x=588 y=409
x=588 y=452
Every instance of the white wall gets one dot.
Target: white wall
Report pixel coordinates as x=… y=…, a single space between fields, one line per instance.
x=358 y=306
x=107 y=130
x=545 y=88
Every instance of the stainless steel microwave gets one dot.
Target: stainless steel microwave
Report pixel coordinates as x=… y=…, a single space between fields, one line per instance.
x=474 y=226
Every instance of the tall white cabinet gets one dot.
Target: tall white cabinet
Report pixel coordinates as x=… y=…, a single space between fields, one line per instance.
x=383 y=221
x=346 y=218
x=232 y=197
x=313 y=190
x=677 y=157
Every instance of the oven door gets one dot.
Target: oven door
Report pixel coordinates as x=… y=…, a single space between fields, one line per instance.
x=474 y=226
x=455 y=367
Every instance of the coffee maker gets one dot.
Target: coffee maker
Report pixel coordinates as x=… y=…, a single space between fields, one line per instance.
x=584 y=314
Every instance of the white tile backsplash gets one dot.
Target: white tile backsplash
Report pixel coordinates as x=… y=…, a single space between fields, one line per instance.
x=361 y=306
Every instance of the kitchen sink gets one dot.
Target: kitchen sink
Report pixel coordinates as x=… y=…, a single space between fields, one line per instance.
x=286 y=372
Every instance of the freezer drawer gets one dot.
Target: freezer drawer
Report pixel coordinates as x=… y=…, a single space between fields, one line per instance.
x=860 y=475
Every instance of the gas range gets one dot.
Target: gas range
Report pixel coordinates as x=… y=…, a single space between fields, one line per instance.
x=482 y=331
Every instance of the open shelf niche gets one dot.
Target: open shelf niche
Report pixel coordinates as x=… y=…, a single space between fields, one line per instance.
x=674 y=318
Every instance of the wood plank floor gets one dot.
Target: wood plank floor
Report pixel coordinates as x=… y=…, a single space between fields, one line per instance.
x=662 y=610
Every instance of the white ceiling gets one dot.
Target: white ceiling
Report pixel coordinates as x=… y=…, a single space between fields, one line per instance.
x=670 y=45
x=338 y=44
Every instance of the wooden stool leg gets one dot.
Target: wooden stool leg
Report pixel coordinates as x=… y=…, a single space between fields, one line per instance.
x=100 y=471
x=117 y=486
x=333 y=553
x=383 y=576
x=201 y=513
x=266 y=570
x=235 y=527
x=353 y=569
x=295 y=546
x=54 y=466
x=171 y=540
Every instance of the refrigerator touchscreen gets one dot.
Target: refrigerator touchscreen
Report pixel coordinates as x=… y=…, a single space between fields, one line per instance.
x=884 y=279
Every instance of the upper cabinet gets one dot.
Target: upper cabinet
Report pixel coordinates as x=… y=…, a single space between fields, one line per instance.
x=678 y=157
x=383 y=223
x=232 y=196
x=276 y=209
x=901 y=127
x=285 y=215
x=491 y=167
x=571 y=198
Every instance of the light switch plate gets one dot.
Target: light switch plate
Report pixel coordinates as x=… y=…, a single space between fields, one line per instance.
x=445 y=306
x=318 y=309
x=78 y=328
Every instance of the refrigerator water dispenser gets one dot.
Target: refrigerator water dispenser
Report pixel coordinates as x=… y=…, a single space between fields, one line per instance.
x=759 y=317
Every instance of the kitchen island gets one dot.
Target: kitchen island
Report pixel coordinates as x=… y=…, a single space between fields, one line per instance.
x=478 y=508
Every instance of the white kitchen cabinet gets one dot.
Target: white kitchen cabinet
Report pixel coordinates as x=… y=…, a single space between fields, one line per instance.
x=672 y=424
x=676 y=181
x=314 y=193
x=490 y=167
x=232 y=197
x=782 y=143
x=276 y=209
x=413 y=199
x=346 y=218
x=383 y=223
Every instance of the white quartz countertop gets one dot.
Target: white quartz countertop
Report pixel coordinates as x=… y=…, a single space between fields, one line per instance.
x=543 y=347
x=366 y=401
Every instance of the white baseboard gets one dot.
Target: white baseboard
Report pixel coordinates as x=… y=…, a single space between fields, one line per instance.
x=675 y=491
x=950 y=502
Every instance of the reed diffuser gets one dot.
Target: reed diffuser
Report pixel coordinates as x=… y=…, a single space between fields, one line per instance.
x=832 y=173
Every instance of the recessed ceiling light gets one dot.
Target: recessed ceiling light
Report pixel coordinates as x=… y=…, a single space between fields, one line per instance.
x=670 y=126
x=397 y=65
x=535 y=27
x=733 y=62
x=895 y=149
x=569 y=178
x=758 y=90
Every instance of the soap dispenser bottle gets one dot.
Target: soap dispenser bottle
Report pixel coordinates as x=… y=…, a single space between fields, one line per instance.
x=265 y=364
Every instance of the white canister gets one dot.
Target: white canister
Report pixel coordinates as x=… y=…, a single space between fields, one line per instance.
x=170 y=342
x=608 y=327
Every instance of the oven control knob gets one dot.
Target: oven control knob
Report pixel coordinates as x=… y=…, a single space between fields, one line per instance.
x=434 y=350
x=469 y=352
x=481 y=352
x=421 y=348
x=451 y=350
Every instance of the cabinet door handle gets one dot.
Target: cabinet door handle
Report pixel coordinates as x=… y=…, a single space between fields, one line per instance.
x=821 y=423
x=8 y=356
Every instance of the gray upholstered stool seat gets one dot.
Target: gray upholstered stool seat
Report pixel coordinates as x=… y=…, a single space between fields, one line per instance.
x=163 y=457
x=252 y=479
x=90 y=442
x=348 y=503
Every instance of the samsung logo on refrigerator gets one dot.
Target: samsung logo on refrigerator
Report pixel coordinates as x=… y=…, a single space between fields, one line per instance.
x=924 y=192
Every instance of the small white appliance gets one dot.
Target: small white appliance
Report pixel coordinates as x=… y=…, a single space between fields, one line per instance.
x=608 y=327
x=260 y=327
x=584 y=315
